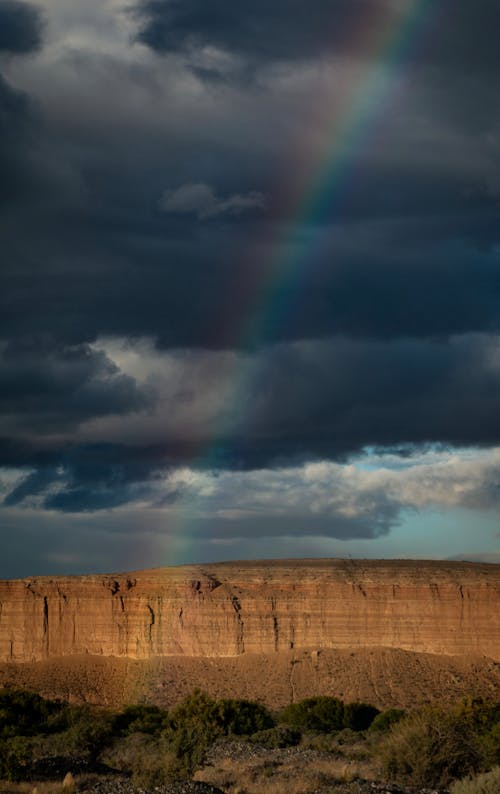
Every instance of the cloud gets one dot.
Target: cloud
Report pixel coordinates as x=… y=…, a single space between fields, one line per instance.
x=413 y=224
x=98 y=424
x=33 y=484
x=17 y=123
x=47 y=388
x=341 y=395
x=201 y=200
x=289 y=30
x=20 y=27
x=323 y=498
x=282 y=29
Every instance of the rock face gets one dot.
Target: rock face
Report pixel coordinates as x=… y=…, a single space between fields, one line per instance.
x=234 y=609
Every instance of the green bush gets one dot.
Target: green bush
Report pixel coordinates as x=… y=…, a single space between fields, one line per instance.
x=320 y=714
x=278 y=737
x=88 y=731
x=487 y=783
x=386 y=719
x=24 y=713
x=431 y=748
x=325 y=714
x=158 y=770
x=338 y=743
x=15 y=755
x=359 y=716
x=482 y=719
x=191 y=728
x=242 y=717
x=140 y=719
x=148 y=759
x=199 y=720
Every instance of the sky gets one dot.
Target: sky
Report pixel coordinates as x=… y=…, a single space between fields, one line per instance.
x=249 y=281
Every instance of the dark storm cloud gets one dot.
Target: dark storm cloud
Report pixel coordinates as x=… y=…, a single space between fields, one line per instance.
x=202 y=293
x=408 y=246
x=32 y=485
x=344 y=395
x=341 y=396
x=459 y=35
x=20 y=33
x=268 y=30
x=16 y=128
x=85 y=478
x=20 y=27
x=47 y=388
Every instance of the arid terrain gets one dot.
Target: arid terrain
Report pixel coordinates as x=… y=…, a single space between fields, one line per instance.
x=393 y=633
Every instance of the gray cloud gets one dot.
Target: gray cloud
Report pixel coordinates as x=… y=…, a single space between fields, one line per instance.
x=201 y=200
x=20 y=27
x=17 y=120
x=287 y=29
x=46 y=388
x=104 y=422
x=322 y=499
x=261 y=30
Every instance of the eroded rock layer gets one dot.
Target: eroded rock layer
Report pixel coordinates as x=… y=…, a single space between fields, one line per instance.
x=235 y=609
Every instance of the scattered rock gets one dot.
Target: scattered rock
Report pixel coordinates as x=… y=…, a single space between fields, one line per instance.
x=122 y=785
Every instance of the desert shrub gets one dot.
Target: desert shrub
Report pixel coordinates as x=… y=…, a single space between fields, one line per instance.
x=140 y=719
x=25 y=713
x=490 y=744
x=386 y=719
x=197 y=709
x=87 y=731
x=191 y=727
x=481 y=715
x=482 y=718
x=127 y=752
x=321 y=714
x=242 y=717
x=148 y=759
x=431 y=748
x=359 y=716
x=197 y=721
x=278 y=737
x=157 y=770
x=341 y=744
x=15 y=755
x=487 y=783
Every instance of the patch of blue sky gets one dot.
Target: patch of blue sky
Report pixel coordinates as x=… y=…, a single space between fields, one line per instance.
x=436 y=534
x=375 y=458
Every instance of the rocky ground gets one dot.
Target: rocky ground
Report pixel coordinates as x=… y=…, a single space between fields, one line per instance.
x=243 y=768
x=117 y=784
x=121 y=785
x=230 y=768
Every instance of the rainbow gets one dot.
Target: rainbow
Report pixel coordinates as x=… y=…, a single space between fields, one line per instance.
x=385 y=38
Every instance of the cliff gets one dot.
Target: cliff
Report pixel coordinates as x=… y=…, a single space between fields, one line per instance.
x=235 y=609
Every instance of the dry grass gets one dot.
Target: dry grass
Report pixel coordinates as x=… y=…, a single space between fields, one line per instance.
x=487 y=783
x=79 y=783
x=275 y=774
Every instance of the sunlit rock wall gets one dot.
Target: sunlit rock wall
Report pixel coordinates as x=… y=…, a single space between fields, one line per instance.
x=231 y=609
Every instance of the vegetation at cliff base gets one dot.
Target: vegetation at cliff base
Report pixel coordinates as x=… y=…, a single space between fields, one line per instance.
x=434 y=746
x=325 y=714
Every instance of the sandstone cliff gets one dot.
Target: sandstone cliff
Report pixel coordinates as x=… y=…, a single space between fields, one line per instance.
x=234 y=609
